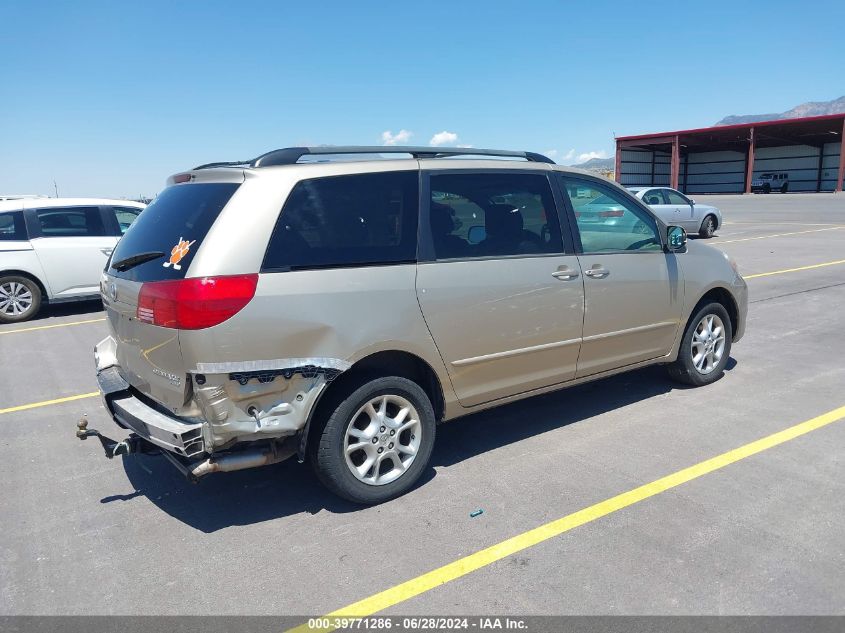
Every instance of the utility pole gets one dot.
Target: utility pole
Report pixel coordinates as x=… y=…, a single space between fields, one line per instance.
x=56 y=188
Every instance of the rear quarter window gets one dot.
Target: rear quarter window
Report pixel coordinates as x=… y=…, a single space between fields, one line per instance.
x=174 y=224
x=354 y=220
x=12 y=227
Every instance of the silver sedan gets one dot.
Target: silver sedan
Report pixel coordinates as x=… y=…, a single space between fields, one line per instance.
x=675 y=208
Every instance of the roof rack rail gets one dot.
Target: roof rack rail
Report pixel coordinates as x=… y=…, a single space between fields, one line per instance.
x=231 y=163
x=290 y=155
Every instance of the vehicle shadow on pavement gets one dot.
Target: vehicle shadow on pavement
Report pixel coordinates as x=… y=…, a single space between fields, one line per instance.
x=71 y=308
x=263 y=494
x=488 y=430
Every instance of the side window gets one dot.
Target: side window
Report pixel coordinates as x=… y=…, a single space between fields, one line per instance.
x=12 y=227
x=357 y=220
x=70 y=222
x=125 y=217
x=655 y=196
x=608 y=222
x=675 y=198
x=489 y=214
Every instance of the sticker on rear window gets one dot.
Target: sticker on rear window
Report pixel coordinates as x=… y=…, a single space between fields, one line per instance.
x=177 y=253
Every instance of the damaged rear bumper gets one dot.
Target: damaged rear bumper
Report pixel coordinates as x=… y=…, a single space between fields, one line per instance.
x=236 y=415
x=130 y=412
x=180 y=442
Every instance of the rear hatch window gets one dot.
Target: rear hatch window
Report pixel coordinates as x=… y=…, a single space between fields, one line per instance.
x=161 y=243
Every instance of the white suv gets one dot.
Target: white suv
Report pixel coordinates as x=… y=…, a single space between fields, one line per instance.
x=54 y=250
x=770 y=182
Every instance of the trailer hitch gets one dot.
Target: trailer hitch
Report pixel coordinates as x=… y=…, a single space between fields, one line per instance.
x=112 y=448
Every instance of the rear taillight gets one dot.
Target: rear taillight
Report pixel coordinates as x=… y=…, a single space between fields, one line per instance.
x=611 y=214
x=194 y=304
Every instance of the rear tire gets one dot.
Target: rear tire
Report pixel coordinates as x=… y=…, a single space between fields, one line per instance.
x=705 y=347
x=394 y=445
x=708 y=227
x=784 y=188
x=20 y=299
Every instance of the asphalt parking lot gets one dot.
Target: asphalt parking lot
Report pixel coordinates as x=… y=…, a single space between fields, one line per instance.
x=763 y=535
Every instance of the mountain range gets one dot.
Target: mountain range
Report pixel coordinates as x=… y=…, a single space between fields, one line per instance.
x=598 y=164
x=811 y=108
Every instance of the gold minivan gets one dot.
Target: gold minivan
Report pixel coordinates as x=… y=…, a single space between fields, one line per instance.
x=306 y=304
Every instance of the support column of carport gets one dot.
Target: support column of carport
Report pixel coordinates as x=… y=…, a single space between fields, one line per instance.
x=676 y=162
x=841 y=173
x=617 y=176
x=749 y=161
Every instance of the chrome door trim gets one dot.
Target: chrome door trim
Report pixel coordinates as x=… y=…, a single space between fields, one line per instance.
x=633 y=330
x=513 y=352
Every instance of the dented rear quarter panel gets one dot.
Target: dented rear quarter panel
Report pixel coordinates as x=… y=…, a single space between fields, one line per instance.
x=346 y=314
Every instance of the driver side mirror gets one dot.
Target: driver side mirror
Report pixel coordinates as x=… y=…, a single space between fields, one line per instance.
x=692 y=201
x=676 y=239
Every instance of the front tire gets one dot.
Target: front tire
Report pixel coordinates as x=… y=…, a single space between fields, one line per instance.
x=376 y=442
x=784 y=188
x=20 y=299
x=705 y=347
x=708 y=227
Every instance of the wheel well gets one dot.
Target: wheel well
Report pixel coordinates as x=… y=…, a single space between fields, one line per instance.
x=391 y=363
x=21 y=273
x=405 y=365
x=720 y=295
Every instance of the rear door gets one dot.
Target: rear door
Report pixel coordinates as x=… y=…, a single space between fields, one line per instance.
x=72 y=245
x=149 y=356
x=684 y=210
x=632 y=289
x=502 y=295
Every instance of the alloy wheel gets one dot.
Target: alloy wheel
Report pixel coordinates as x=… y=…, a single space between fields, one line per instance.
x=708 y=344
x=15 y=298
x=382 y=439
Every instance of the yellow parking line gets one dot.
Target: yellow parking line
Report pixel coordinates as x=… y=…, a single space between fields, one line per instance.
x=47 y=403
x=763 y=237
x=792 y=270
x=48 y=327
x=509 y=547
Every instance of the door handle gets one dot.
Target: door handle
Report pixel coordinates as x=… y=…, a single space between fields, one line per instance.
x=564 y=275
x=597 y=273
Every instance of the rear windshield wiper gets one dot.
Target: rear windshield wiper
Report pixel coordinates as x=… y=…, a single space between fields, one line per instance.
x=135 y=260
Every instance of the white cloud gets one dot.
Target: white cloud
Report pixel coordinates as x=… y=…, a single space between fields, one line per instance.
x=551 y=153
x=570 y=154
x=583 y=158
x=442 y=138
x=464 y=146
x=402 y=136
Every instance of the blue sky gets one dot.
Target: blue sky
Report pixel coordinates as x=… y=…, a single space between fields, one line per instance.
x=109 y=98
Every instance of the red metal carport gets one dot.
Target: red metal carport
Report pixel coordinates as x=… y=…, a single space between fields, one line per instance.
x=721 y=159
